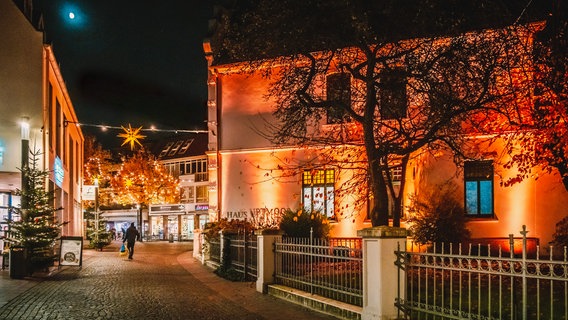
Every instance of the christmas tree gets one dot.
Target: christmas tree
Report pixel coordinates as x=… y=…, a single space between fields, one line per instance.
x=34 y=226
x=97 y=233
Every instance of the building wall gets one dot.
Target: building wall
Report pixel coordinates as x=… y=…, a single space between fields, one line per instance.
x=243 y=182
x=27 y=69
x=20 y=97
x=20 y=89
x=64 y=141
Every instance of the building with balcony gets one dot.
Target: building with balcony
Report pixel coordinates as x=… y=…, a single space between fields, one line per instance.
x=182 y=156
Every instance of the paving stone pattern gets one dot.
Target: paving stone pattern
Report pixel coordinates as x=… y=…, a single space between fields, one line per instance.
x=154 y=285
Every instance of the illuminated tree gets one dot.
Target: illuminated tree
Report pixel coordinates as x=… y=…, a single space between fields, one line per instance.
x=99 y=168
x=543 y=132
x=365 y=86
x=34 y=226
x=142 y=180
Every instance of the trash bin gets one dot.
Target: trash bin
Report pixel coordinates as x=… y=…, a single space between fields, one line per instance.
x=17 y=260
x=171 y=238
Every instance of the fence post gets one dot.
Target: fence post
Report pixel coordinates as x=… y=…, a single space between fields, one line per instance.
x=265 y=259
x=380 y=282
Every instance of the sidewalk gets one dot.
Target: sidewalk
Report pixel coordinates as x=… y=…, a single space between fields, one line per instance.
x=243 y=294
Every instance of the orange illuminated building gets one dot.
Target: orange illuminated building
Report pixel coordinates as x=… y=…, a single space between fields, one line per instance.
x=243 y=185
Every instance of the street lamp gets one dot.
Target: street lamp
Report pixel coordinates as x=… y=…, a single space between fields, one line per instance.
x=140 y=220
x=96 y=210
x=25 y=136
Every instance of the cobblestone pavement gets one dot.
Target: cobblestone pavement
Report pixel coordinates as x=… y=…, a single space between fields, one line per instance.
x=163 y=281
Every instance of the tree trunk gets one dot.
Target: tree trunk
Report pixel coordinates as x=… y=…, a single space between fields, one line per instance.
x=380 y=211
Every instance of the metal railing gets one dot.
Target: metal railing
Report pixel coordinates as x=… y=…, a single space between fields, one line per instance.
x=331 y=268
x=214 y=247
x=238 y=251
x=243 y=254
x=459 y=285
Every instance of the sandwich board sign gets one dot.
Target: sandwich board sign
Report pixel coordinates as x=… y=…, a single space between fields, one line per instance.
x=71 y=251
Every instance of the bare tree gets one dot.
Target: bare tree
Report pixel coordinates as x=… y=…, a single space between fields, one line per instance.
x=365 y=86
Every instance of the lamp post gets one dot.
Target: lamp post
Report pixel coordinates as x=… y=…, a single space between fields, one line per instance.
x=25 y=136
x=96 y=210
x=140 y=221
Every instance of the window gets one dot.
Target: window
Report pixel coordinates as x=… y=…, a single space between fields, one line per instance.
x=392 y=94
x=185 y=146
x=188 y=194
x=478 y=178
x=166 y=149
x=338 y=92
x=202 y=193
x=175 y=148
x=318 y=191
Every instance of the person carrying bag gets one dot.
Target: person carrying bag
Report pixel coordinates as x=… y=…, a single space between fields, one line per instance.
x=130 y=238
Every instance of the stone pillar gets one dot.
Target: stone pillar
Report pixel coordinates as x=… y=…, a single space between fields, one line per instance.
x=265 y=259
x=165 y=227
x=381 y=285
x=197 y=244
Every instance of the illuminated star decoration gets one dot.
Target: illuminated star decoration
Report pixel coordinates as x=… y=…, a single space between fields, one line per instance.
x=131 y=136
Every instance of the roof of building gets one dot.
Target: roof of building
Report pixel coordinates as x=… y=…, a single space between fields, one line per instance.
x=314 y=25
x=181 y=145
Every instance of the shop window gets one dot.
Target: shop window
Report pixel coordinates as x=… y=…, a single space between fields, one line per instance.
x=392 y=94
x=478 y=179
x=318 y=191
x=338 y=88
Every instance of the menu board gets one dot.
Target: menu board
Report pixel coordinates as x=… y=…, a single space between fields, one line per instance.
x=71 y=251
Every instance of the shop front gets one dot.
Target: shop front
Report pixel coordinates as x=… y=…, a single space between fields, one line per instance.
x=176 y=222
x=120 y=220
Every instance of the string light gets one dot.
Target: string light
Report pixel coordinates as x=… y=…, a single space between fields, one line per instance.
x=152 y=128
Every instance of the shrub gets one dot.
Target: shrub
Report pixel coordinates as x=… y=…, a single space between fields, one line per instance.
x=211 y=230
x=560 y=237
x=437 y=215
x=299 y=223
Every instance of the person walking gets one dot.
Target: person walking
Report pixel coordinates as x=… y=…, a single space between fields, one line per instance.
x=130 y=237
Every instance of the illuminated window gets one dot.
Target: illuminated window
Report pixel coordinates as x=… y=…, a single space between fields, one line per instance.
x=478 y=178
x=392 y=94
x=185 y=146
x=166 y=149
x=338 y=87
x=202 y=193
x=318 y=191
x=175 y=148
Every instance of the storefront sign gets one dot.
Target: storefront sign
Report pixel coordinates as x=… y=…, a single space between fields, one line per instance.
x=163 y=208
x=58 y=172
x=201 y=207
x=89 y=192
x=253 y=212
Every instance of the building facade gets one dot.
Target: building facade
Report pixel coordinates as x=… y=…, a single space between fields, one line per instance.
x=183 y=157
x=33 y=92
x=243 y=184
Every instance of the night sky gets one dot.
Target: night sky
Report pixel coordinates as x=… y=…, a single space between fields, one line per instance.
x=132 y=62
